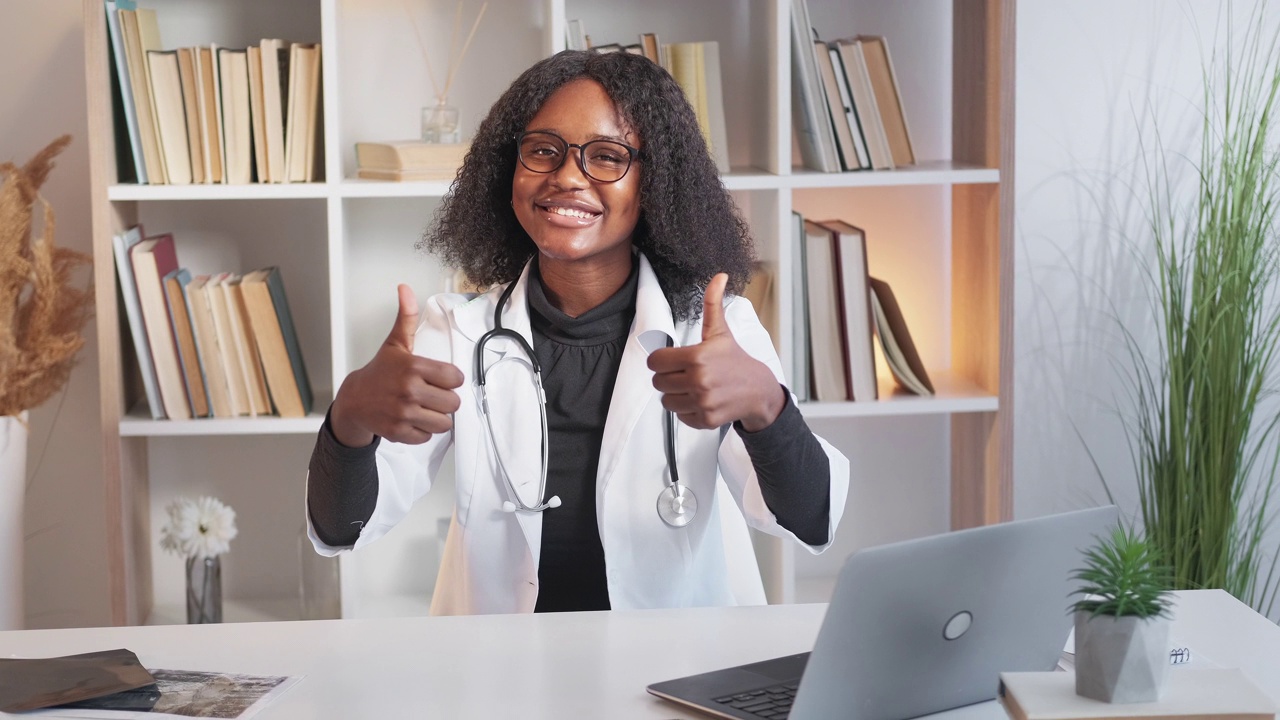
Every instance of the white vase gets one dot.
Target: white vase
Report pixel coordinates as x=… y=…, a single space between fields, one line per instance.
x=13 y=486
x=1121 y=659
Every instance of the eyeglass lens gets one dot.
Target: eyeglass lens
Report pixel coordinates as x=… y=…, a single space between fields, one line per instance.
x=600 y=160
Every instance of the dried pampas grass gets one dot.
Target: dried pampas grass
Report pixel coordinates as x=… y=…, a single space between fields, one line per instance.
x=42 y=312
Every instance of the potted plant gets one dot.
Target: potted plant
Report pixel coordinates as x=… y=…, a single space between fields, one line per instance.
x=1122 y=620
x=45 y=302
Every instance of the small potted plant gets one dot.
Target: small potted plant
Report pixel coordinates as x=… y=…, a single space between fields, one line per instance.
x=1122 y=621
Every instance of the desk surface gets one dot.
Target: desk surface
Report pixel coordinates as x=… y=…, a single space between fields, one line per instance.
x=573 y=665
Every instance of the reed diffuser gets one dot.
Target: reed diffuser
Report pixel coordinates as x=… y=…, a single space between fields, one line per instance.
x=440 y=122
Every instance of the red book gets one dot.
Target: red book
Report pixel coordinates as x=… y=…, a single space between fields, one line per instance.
x=152 y=259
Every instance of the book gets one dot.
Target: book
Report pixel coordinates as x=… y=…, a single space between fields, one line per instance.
x=809 y=112
x=140 y=33
x=696 y=67
x=826 y=344
x=124 y=83
x=122 y=244
x=649 y=44
x=575 y=35
x=191 y=110
x=852 y=117
x=761 y=291
x=799 y=311
x=408 y=159
x=171 y=119
x=848 y=149
x=257 y=99
x=274 y=54
x=246 y=348
x=237 y=134
x=884 y=84
x=238 y=388
x=855 y=296
x=210 y=104
x=302 y=113
x=864 y=102
x=1189 y=694
x=175 y=283
x=206 y=337
x=895 y=341
x=277 y=341
x=152 y=259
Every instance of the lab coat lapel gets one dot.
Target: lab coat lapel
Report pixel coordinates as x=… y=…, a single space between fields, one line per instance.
x=633 y=390
x=513 y=404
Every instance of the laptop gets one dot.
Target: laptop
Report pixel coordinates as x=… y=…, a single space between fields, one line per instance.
x=919 y=627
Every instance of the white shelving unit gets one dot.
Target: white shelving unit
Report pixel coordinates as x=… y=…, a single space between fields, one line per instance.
x=938 y=231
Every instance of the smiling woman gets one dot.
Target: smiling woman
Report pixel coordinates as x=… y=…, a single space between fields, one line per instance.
x=605 y=369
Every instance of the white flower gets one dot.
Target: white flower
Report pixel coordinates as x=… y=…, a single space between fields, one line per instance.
x=200 y=528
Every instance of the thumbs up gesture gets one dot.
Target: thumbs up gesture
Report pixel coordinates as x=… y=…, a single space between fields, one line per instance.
x=399 y=395
x=716 y=382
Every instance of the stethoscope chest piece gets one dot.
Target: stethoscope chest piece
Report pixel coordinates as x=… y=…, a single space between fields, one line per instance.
x=677 y=505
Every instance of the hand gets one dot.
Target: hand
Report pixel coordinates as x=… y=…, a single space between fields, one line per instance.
x=716 y=382
x=399 y=396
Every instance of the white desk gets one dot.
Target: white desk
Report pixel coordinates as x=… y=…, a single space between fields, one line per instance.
x=578 y=665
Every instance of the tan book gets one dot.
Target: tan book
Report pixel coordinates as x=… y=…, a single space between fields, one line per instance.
x=171 y=117
x=845 y=142
x=191 y=109
x=302 y=112
x=854 y=293
x=210 y=114
x=274 y=54
x=246 y=347
x=875 y=50
x=237 y=387
x=206 y=337
x=256 y=119
x=826 y=323
x=141 y=33
x=184 y=335
x=1189 y=694
x=237 y=132
x=649 y=44
x=277 y=341
x=412 y=155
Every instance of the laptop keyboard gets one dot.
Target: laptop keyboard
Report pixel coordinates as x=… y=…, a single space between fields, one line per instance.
x=771 y=703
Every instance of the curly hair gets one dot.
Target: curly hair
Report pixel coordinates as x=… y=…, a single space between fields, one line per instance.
x=689 y=227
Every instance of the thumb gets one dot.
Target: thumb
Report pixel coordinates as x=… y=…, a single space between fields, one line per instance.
x=713 y=322
x=407 y=321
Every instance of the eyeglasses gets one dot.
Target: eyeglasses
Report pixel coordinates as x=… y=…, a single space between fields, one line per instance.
x=604 y=161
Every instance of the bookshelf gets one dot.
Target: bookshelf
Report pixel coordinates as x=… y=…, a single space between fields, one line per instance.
x=940 y=231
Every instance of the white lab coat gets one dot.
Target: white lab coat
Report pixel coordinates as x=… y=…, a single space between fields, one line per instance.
x=490 y=562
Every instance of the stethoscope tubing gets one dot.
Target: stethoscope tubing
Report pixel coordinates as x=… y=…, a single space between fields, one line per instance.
x=676 y=503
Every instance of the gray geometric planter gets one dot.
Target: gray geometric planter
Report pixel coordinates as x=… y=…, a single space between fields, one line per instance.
x=1121 y=660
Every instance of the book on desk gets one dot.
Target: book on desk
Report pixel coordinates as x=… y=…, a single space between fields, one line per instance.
x=1190 y=694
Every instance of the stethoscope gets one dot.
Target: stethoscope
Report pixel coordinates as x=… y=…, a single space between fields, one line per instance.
x=677 y=504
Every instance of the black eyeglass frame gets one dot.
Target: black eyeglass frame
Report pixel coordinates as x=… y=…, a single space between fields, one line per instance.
x=633 y=155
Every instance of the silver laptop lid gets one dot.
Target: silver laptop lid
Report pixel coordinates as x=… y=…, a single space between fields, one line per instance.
x=927 y=625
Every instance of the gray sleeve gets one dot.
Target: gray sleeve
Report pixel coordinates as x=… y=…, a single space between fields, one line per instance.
x=794 y=473
x=342 y=488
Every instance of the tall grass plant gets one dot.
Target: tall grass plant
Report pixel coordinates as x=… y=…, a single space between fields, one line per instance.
x=1204 y=445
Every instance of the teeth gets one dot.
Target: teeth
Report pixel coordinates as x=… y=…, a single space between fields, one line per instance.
x=570 y=212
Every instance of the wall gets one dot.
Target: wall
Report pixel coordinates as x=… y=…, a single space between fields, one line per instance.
x=1096 y=79
x=41 y=97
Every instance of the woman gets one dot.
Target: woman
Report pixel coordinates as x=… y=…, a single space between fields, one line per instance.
x=590 y=203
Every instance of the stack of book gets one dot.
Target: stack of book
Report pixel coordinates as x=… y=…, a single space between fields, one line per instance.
x=405 y=160
x=846 y=104
x=694 y=65
x=221 y=345
x=840 y=309
x=213 y=114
